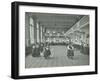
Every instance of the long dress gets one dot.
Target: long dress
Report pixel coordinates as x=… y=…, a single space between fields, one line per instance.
x=41 y=48
x=36 y=52
x=70 y=51
x=47 y=53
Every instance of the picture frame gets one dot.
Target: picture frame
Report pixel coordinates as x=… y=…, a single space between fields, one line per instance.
x=19 y=12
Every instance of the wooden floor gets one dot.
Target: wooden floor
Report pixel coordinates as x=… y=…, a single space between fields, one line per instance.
x=59 y=58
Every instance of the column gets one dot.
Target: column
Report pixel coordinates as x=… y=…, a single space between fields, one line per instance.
x=37 y=28
x=41 y=34
x=43 y=29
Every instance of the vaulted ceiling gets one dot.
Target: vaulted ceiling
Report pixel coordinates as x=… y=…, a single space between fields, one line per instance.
x=54 y=21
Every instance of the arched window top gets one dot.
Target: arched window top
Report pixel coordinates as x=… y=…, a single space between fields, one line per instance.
x=31 y=21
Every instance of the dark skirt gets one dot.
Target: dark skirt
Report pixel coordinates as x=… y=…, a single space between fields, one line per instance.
x=70 y=53
x=41 y=49
x=47 y=53
x=36 y=52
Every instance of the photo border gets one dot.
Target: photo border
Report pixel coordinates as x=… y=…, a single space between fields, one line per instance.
x=15 y=39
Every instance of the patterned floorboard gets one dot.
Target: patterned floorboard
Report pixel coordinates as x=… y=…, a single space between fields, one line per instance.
x=59 y=58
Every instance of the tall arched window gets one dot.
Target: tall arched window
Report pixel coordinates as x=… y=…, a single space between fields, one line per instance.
x=31 y=22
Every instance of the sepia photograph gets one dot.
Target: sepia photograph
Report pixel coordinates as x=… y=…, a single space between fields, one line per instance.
x=56 y=40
